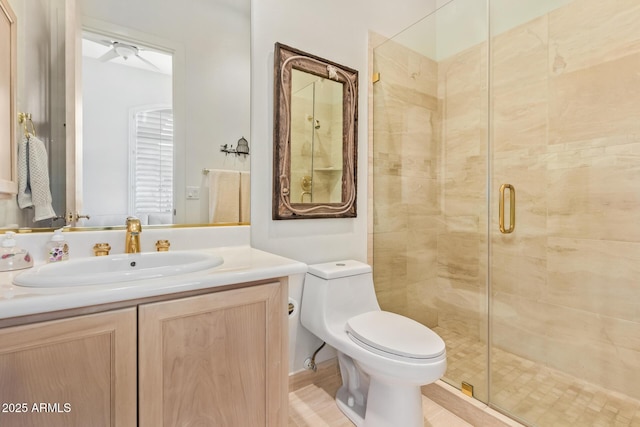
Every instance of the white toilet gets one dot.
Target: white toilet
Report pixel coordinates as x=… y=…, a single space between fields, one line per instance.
x=384 y=357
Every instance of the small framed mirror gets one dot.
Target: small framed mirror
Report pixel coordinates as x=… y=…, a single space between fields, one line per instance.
x=315 y=136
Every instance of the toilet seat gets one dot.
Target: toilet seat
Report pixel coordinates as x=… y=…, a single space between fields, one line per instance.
x=394 y=336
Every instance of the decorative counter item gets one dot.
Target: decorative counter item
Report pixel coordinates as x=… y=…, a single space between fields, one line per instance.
x=12 y=257
x=57 y=248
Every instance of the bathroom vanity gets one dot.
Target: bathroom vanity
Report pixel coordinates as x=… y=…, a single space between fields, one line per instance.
x=203 y=348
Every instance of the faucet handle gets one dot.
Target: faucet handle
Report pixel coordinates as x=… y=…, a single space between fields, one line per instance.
x=162 y=245
x=101 y=249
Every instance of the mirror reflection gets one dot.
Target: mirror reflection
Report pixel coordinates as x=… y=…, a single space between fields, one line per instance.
x=206 y=88
x=133 y=150
x=316 y=138
x=40 y=96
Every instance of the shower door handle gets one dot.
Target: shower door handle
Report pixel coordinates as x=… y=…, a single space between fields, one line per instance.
x=512 y=209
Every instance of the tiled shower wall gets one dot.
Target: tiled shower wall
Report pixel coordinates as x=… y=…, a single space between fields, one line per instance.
x=316 y=152
x=406 y=201
x=565 y=131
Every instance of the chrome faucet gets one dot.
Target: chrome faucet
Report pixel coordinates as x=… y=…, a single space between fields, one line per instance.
x=132 y=239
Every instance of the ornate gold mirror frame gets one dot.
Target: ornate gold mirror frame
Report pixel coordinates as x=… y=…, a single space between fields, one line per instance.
x=286 y=60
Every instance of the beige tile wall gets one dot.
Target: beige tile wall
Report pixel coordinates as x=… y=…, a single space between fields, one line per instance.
x=565 y=131
x=405 y=168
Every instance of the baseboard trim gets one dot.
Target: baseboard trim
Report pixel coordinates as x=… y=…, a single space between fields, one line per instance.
x=327 y=369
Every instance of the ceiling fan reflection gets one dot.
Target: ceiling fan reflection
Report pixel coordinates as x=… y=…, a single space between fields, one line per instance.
x=124 y=51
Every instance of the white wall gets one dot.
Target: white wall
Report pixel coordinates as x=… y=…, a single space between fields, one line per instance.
x=336 y=30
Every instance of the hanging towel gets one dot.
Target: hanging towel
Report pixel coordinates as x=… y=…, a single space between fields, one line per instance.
x=33 y=178
x=24 y=191
x=224 y=196
x=245 y=197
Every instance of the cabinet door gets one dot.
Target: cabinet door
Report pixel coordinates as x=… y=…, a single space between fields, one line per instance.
x=79 y=371
x=215 y=360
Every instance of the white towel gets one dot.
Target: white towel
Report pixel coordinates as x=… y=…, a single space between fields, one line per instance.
x=245 y=197
x=33 y=178
x=24 y=192
x=224 y=196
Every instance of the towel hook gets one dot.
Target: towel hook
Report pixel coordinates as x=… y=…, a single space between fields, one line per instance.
x=24 y=119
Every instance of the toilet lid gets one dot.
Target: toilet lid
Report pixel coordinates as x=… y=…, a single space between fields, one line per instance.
x=395 y=334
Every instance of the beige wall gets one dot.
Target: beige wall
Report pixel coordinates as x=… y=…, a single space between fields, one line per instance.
x=565 y=104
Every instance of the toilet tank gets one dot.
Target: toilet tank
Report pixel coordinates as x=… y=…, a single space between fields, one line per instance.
x=335 y=292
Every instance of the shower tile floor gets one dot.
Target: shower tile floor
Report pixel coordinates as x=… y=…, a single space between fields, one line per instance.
x=539 y=395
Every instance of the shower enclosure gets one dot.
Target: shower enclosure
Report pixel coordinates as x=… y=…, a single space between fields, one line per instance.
x=316 y=139
x=527 y=115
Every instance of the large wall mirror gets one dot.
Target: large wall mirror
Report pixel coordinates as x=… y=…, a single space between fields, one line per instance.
x=157 y=100
x=315 y=136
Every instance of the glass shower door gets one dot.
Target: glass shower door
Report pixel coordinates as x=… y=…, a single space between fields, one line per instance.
x=542 y=319
x=564 y=285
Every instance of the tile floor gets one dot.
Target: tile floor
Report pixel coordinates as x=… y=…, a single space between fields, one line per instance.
x=539 y=395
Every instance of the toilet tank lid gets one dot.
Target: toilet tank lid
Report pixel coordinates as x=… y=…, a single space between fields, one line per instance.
x=337 y=269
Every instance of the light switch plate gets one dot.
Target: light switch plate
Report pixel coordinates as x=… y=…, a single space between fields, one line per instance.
x=193 y=193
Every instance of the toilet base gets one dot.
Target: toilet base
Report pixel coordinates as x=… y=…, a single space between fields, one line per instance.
x=355 y=412
x=351 y=398
x=388 y=405
x=372 y=401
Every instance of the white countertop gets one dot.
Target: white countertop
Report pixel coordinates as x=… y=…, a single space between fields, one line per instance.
x=241 y=264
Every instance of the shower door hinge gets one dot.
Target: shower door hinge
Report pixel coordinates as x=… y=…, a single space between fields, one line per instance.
x=467 y=389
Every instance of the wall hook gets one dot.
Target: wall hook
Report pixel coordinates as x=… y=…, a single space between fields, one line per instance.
x=241 y=148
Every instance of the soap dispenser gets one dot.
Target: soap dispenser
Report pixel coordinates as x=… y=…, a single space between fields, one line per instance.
x=57 y=248
x=12 y=257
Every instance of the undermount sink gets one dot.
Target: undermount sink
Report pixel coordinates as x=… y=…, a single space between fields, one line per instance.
x=116 y=268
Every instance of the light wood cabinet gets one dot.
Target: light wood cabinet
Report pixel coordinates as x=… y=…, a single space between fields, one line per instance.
x=79 y=371
x=214 y=360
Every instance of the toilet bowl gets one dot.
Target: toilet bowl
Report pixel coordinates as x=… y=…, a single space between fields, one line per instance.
x=384 y=358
